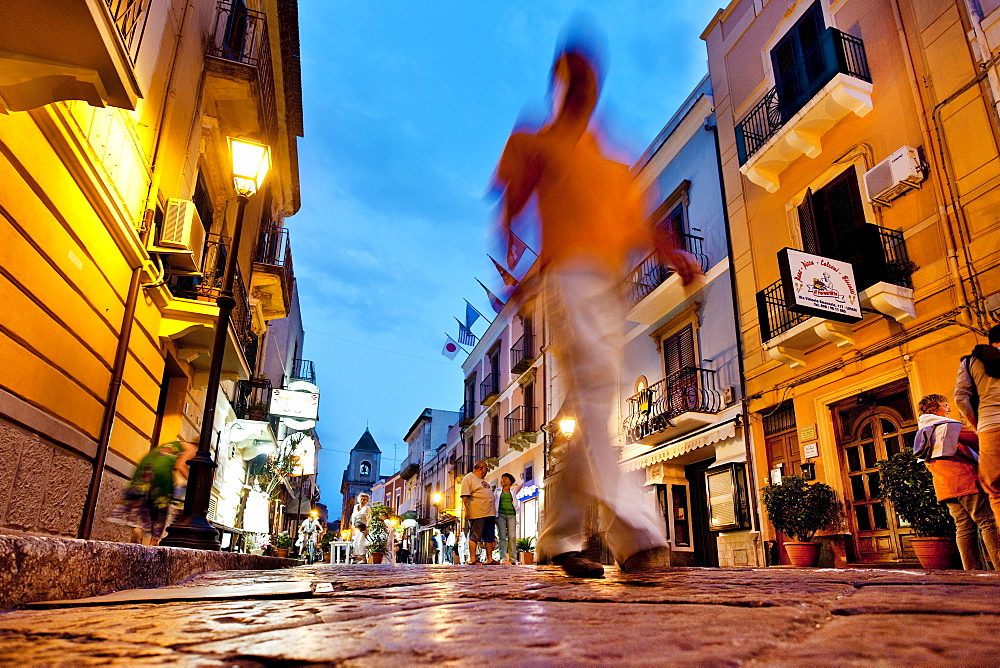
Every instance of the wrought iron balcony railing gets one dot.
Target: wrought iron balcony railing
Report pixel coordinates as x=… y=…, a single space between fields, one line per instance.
x=208 y=287
x=774 y=316
x=468 y=412
x=522 y=353
x=652 y=272
x=692 y=389
x=253 y=399
x=129 y=17
x=273 y=253
x=486 y=447
x=303 y=370
x=520 y=420
x=240 y=36
x=489 y=389
x=837 y=53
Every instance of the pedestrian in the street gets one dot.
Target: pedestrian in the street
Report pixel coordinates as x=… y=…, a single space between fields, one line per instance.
x=463 y=547
x=360 y=519
x=592 y=220
x=310 y=532
x=977 y=394
x=403 y=553
x=155 y=493
x=948 y=449
x=438 y=548
x=449 y=546
x=477 y=501
x=507 y=509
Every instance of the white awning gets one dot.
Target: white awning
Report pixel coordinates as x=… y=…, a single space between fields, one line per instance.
x=680 y=446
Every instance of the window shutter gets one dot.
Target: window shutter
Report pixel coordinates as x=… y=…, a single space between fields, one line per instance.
x=722 y=498
x=807 y=225
x=678 y=351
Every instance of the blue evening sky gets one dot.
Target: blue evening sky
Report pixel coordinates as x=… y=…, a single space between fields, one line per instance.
x=407 y=107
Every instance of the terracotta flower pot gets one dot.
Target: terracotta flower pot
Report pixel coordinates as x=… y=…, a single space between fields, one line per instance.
x=801 y=554
x=935 y=552
x=527 y=558
x=377 y=557
x=282 y=552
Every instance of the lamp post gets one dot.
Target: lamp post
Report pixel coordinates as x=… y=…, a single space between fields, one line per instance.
x=251 y=162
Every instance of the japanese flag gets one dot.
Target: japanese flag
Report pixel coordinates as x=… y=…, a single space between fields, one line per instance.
x=451 y=348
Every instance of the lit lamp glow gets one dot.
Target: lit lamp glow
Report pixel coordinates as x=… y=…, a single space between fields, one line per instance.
x=251 y=162
x=436 y=498
x=567 y=426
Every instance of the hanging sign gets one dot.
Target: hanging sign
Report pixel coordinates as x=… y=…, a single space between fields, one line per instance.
x=295 y=404
x=819 y=286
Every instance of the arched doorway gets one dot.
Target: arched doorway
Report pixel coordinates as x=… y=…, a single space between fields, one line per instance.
x=872 y=428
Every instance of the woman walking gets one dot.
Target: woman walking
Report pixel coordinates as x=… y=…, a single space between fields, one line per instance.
x=507 y=509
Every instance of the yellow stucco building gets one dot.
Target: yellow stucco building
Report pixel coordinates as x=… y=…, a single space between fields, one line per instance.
x=116 y=213
x=863 y=131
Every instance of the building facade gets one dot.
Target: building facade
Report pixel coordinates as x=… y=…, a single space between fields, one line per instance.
x=855 y=137
x=361 y=474
x=117 y=212
x=681 y=422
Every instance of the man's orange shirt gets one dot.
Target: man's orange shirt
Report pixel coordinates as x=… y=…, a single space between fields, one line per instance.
x=589 y=205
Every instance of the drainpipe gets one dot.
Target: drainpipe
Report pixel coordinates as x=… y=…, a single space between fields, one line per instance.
x=131 y=303
x=744 y=401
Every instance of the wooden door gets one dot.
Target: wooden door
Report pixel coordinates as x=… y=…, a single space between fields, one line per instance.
x=783 y=450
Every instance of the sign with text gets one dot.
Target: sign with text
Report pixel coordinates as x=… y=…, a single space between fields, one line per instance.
x=295 y=404
x=819 y=286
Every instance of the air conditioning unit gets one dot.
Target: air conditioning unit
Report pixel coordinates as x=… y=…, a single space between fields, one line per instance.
x=895 y=176
x=182 y=238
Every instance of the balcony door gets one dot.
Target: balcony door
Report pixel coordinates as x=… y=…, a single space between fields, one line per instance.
x=798 y=61
x=678 y=364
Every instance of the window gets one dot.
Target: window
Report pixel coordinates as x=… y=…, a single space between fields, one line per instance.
x=727 y=498
x=678 y=351
x=679 y=515
x=829 y=219
x=365 y=469
x=529 y=474
x=799 y=62
x=203 y=203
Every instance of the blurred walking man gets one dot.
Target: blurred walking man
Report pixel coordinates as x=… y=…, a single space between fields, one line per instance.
x=592 y=219
x=977 y=394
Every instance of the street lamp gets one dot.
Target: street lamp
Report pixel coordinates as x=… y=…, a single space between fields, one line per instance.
x=251 y=162
x=567 y=426
x=436 y=498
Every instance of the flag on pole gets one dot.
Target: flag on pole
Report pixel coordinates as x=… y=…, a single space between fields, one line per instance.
x=451 y=348
x=465 y=335
x=494 y=300
x=508 y=278
x=515 y=249
x=472 y=314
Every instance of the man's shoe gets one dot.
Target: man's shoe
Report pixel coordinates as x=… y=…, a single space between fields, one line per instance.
x=651 y=559
x=578 y=566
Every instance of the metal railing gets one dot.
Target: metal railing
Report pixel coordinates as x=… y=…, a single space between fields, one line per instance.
x=837 y=52
x=521 y=419
x=253 y=399
x=651 y=272
x=884 y=258
x=489 y=388
x=486 y=447
x=468 y=412
x=773 y=314
x=208 y=287
x=691 y=389
x=303 y=370
x=129 y=17
x=522 y=353
x=240 y=36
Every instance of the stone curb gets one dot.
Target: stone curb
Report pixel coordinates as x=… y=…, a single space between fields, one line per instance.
x=40 y=568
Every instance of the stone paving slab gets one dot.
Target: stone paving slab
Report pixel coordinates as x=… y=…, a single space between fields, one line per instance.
x=451 y=615
x=243 y=591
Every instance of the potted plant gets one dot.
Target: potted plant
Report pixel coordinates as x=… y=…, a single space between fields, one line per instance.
x=378 y=532
x=798 y=510
x=908 y=485
x=282 y=543
x=526 y=549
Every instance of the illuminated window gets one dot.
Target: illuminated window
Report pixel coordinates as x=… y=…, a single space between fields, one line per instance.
x=727 y=499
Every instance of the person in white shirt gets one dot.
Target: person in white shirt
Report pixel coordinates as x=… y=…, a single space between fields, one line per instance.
x=478 y=503
x=360 y=519
x=309 y=532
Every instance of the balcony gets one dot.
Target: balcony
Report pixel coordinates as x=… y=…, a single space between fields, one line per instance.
x=272 y=278
x=189 y=316
x=653 y=288
x=489 y=389
x=303 y=370
x=685 y=400
x=486 y=448
x=70 y=50
x=522 y=353
x=239 y=82
x=253 y=399
x=520 y=427
x=792 y=118
x=786 y=334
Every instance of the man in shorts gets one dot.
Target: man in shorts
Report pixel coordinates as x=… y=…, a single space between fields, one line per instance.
x=477 y=500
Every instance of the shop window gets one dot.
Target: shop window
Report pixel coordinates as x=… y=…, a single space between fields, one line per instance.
x=728 y=508
x=680 y=515
x=529 y=474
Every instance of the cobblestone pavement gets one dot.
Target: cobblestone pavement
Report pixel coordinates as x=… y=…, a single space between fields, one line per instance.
x=367 y=615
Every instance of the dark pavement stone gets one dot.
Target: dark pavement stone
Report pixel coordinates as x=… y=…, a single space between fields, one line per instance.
x=368 y=615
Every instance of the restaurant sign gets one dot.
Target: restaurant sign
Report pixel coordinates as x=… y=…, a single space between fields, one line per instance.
x=819 y=286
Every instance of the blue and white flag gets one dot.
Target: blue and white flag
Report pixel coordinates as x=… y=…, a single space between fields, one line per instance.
x=465 y=335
